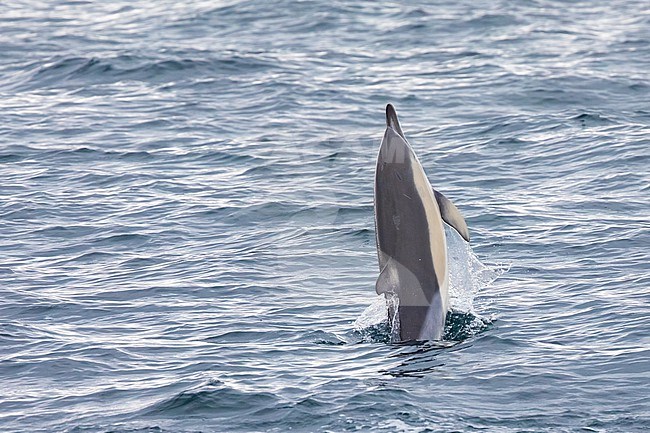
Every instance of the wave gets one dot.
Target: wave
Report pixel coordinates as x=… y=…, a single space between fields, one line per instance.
x=213 y=399
x=73 y=71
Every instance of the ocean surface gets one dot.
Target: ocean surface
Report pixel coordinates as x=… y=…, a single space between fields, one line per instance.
x=186 y=215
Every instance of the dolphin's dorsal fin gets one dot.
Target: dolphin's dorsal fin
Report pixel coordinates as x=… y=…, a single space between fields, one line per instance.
x=451 y=215
x=388 y=280
x=392 y=121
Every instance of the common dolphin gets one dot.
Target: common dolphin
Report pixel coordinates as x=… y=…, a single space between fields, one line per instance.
x=411 y=242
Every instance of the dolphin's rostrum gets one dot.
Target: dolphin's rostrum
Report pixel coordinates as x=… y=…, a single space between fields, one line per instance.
x=411 y=240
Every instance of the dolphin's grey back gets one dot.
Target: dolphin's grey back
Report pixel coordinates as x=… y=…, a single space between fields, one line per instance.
x=410 y=237
x=411 y=240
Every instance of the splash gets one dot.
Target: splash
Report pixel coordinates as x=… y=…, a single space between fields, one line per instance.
x=467 y=275
x=373 y=324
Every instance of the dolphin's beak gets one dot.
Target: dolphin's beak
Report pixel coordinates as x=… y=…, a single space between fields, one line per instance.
x=392 y=121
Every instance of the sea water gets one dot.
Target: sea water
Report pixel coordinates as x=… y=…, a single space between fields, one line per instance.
x=186 y=221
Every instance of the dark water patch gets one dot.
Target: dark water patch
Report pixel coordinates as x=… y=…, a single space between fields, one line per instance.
x=117 y=428
x=214 y=399
x=367 y=236
x=13 y=332
x=260 y=170
x=71 y=71
x=6 y=158
x=163 y=68
x=248 y=337
x=56 y=71
x=65 y=232
x=353 y=213
x=94 y=257
x=591 y=119
x=417 y=358
x=225 y=157
x=378 y=333
x=124 y=240
x=489 y=20
x=639 y=87
x=262 y=211
x=43 y=308
x=88 y=155
x=58 y=367
x=104 y=180
x=136 y=156
x=460 y=326
x=142 y=262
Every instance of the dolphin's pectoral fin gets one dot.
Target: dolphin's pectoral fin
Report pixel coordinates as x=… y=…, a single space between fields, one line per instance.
x=388 y=280
x=451 y=215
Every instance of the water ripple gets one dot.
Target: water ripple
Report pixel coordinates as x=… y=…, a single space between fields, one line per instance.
x=187 y=238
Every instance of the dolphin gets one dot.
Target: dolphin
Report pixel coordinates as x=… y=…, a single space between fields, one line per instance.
x=411 y=243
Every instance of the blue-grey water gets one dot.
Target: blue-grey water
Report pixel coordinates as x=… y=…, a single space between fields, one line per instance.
x=186 y=221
